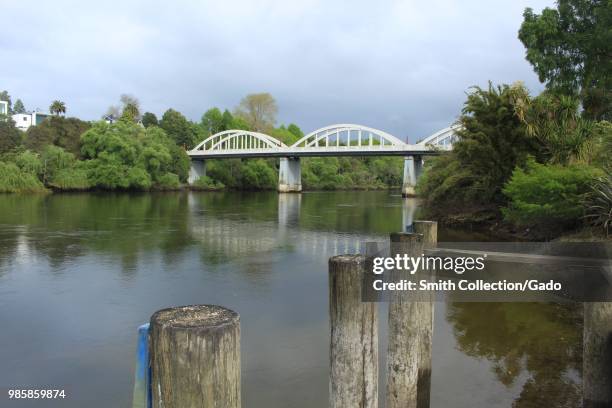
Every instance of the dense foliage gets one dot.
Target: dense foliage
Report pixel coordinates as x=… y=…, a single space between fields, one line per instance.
x=599 y=204
x=10 y=136
x=531 y=160
x=570 y=47
x=492 y=142
x=547 y=195
x=126 y=156
x=149 y=119
x=57 y=131
x=180 y=130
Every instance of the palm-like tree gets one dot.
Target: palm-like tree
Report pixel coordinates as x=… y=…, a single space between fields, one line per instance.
x=57 y=108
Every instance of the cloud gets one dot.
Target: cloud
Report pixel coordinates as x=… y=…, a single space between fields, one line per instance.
x=401 y=66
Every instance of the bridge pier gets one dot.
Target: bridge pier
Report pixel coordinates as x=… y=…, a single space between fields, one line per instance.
x=289 y=175
x=197 y=170
x=413 y=166
x=408 y=210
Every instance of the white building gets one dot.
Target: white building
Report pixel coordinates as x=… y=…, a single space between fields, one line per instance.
x=3 y=108
x=24 y=120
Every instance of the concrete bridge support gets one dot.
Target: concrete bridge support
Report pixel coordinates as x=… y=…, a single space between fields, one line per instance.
x=289 y=175
x=413 y=166
x=289 y=210
x=408 y=210
x=197 y=170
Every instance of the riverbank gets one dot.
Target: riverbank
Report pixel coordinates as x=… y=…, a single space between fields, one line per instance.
x=490 y=221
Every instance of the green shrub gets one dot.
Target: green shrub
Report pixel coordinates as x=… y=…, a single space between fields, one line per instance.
x=598 y=203
x=547 y=195
x=256 y=174
x=73 y=178
x=14 y=180
x=207 y=183
x=29 y=162
x=124 y=155
x=168 y=181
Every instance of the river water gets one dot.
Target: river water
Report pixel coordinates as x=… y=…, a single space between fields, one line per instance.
x=80 y=272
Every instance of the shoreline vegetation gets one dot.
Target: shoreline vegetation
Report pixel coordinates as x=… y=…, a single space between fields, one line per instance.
x=536 y=167
x=527 y=168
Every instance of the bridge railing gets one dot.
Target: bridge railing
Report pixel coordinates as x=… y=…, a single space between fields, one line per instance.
x=340 y=138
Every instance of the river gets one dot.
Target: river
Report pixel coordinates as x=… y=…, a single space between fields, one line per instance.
x=80 y=272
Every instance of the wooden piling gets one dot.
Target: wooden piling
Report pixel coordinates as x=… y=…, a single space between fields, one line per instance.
x=195 y=357
x=354 y=336
x=597 y=357
x=405 y=321
x=429 y=230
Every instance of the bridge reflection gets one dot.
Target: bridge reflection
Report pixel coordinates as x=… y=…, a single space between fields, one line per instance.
x=236 y=236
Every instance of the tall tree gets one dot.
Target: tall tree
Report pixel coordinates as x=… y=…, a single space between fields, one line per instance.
x=131 y=108
x=228 y=121
x=492 y=142
x=57 y=108
x=149 y=119
x=10 y=136
x=570 y=48
x=212 y=121
x=178 y=128
x=19 y=107
x=58 y=131
x=555 y=122
x=258 y=110
x=295 y=129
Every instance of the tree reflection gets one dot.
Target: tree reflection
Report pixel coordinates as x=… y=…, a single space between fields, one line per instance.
x=542 y=340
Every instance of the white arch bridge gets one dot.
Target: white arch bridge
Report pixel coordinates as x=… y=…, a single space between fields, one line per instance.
x=334 y=140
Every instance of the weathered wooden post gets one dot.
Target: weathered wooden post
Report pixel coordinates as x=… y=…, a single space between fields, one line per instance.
x=195 y=357
x=405 y=320
x=429 y=230
x=354 y=336
x=597 y=357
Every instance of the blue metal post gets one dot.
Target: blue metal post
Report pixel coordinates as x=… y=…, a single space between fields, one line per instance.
x=142 y=380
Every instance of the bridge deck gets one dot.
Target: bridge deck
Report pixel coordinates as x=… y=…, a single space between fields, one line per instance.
x=386 y=150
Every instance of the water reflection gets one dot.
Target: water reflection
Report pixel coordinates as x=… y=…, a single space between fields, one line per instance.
x=541 y=340
x=86 y=269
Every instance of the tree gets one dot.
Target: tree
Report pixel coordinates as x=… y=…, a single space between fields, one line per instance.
x=284 y=135
x=149 y=119
x=131 y=108
x=492 y=142
x=229 y=122
x=123 y=155
x=295 y=129
x=257 y=175
x=58 y=131
x=19 y=107
x=178 y=128
x=258 y=110
x=4 y=96
x=570 y=48
x=57 y=108
x=555 y=122
x=10 y=136
x=61 y=169
x=212 y=121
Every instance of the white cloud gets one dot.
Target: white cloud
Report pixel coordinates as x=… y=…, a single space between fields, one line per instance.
x=400 y=65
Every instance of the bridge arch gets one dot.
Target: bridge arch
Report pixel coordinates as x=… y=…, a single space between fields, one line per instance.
x=443 y=138
x=347 y=135
x=236 y=139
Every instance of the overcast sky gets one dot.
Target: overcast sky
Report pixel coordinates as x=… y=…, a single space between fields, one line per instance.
x=400 y=66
